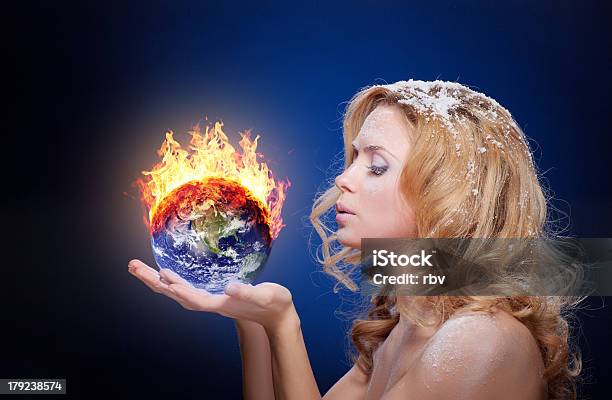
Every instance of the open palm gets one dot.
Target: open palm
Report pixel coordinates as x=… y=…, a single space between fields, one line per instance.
x=266 y=303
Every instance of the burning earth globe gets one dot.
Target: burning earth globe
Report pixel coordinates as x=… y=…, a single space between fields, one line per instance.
x=213 y=212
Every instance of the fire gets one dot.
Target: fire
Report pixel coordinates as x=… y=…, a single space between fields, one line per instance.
x=210 y=155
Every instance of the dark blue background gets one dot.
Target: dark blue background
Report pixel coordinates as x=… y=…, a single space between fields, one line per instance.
x=90 y=89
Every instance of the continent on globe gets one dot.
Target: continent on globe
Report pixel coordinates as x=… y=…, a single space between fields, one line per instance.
x=211 y=232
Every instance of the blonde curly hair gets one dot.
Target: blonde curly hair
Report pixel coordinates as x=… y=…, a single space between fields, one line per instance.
x=469 y=174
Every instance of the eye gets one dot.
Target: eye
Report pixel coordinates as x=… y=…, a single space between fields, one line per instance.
x=378 y=166
x=378 y=170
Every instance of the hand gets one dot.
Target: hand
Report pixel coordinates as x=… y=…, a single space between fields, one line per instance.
x=268 y=304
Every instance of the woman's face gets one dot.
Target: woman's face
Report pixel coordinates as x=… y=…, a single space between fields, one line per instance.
x=370 y=186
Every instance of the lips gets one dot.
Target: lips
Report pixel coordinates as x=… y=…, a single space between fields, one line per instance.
x=342 y=209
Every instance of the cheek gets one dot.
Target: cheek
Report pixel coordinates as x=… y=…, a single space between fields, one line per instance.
x=377 y=196
x=387 y=213
x=377 y=187
x=379 y=193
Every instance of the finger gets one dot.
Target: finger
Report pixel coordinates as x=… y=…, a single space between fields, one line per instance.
x=228 y=306
x=174 y=296
x=172 y=277
x=136 y=264
x=199 y=299
x=155 y=281
x=239 y=290
x=149 y=277
x=161 y=287
x=142 y=271
x=249 y=294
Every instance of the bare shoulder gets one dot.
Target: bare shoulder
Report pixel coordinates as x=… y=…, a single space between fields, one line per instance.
x=353 y=385
x=478 y=356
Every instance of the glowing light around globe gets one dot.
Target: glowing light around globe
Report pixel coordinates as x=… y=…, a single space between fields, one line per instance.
x=213 y=212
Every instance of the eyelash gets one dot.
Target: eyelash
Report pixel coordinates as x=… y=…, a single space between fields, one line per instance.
x=376 y=170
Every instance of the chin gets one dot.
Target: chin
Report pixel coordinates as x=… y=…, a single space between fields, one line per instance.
x=347 y=240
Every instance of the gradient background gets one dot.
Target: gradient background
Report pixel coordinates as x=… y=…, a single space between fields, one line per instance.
x=89 y=90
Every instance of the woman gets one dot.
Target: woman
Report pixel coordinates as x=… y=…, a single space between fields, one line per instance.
x=423 y=159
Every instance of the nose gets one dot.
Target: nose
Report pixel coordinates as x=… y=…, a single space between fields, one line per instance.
x=343 y=182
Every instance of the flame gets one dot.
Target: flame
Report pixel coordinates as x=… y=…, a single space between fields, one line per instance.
x=212 y=156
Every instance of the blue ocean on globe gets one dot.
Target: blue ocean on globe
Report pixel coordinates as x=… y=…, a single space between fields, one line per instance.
x=211 y=233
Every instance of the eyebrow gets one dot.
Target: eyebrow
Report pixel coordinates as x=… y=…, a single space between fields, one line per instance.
x=372 y=147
